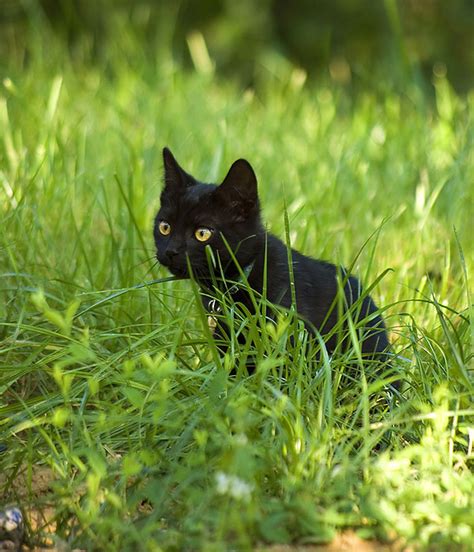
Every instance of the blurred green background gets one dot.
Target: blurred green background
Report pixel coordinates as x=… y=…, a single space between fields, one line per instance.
x=352 y=42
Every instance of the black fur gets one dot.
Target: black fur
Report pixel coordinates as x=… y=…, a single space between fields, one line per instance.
x=232 y=211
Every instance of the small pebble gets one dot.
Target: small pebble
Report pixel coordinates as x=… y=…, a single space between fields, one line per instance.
x=12 y=528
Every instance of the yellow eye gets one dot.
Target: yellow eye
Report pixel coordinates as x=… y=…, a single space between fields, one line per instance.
x=203 y=234
x=164 y=227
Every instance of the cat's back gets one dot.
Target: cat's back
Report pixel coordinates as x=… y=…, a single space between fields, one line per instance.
x=314 y=279
x=316 y=285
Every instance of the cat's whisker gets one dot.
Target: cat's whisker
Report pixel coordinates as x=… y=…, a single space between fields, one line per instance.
x=149 y=249
x=145 y=262
x=149 y=271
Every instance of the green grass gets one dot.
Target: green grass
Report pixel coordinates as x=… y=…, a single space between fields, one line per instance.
x=116 y=384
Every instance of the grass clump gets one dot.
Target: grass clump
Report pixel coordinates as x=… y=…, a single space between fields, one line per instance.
x=109 y=375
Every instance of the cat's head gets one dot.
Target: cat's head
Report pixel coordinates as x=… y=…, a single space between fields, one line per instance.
x=194 y=216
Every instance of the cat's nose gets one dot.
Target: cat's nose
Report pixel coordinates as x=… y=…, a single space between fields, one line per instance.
x=171 y=253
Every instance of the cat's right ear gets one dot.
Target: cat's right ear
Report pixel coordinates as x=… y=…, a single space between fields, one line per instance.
x=238 y=191
x=176 y=178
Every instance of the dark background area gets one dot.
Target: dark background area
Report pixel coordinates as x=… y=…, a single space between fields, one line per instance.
x=350 y=41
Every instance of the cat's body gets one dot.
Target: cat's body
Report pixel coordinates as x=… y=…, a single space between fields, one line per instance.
x=227 y=217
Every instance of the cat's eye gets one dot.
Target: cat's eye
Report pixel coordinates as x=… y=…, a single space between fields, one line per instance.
x=203 y=234
x=164 y=228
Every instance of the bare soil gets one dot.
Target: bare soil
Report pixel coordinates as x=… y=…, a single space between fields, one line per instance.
x=29 y=489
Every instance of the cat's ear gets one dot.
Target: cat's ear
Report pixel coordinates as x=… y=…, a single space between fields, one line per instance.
x=176 y=178
x=239 y=187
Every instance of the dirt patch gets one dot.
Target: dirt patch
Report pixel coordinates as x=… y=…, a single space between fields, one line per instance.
x=347 y=541
x=30 y=488
x=26 y=484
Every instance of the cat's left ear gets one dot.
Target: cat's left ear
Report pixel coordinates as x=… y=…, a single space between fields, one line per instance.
x=239 y=187
x=176 y=178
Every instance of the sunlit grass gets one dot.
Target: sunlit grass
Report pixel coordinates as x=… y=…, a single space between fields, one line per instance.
x=109 y=374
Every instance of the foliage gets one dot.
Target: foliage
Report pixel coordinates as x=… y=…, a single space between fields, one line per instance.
x=355 y=42
x=116 y=384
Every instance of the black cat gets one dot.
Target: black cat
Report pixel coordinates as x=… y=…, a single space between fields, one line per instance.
x=227 y=218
